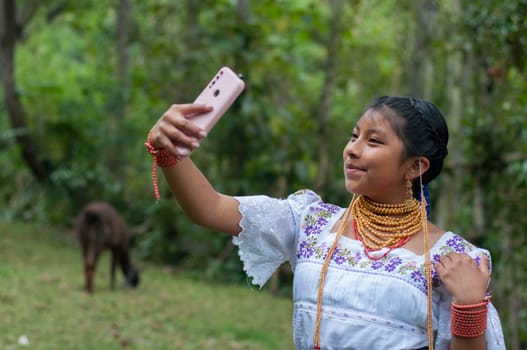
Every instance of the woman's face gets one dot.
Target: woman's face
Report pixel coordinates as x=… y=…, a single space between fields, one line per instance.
x=373 y=164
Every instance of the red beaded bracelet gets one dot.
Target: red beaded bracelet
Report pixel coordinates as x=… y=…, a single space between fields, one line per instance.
x=469 y=321
x=160 y=157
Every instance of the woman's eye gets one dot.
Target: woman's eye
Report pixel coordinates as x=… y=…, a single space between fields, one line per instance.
x=354 y=137
x=374 y=140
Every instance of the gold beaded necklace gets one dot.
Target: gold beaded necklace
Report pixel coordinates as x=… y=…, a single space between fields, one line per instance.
x=379 y=226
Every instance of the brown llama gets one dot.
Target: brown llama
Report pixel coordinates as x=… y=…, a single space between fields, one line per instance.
x=99 y=227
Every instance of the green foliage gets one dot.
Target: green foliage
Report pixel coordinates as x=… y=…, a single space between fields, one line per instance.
x=68 y=83
x=498 y=31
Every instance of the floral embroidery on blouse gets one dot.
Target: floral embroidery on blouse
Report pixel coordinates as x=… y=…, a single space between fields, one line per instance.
x=309 y=247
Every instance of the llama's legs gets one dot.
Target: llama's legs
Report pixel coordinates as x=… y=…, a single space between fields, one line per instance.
x=88 y=275
x=112 y=269
x=89 y=258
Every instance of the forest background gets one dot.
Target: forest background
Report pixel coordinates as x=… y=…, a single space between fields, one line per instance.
x=82 y=83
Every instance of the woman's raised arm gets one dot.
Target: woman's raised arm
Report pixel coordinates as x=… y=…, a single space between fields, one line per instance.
x=174 y=132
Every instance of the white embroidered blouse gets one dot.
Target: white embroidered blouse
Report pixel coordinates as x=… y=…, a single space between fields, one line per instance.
x=367 y=304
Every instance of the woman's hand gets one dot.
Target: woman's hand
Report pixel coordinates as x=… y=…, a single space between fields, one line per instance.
x=463 y=278
x=176 y=133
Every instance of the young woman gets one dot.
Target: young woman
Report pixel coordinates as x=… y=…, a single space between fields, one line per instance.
x=375 y=275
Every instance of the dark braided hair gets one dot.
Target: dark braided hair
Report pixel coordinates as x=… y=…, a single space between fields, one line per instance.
x=422 y=128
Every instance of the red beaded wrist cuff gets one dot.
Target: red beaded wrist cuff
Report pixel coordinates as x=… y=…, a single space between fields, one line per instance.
x=164 y=159
x=469 y=321
x=160 y=157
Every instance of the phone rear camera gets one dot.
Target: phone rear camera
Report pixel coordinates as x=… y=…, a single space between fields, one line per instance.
x=216 y=93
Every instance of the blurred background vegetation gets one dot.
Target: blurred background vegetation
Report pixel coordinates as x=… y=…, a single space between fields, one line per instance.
x=82 y=83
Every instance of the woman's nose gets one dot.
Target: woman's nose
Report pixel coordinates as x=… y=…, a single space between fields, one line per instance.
x=352 y=149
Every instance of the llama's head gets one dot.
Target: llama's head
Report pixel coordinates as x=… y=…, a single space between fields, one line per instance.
x=132 y=277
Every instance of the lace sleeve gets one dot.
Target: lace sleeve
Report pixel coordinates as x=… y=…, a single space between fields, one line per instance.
x=269 y=232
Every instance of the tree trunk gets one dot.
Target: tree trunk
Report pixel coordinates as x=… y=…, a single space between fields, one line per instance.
x=332 y=45
x=451 y=182
x=8 y=36
x=117 y=159
x=123 y=34
x=421 y=71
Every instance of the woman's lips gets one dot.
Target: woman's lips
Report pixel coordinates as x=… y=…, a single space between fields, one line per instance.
x=351 y=169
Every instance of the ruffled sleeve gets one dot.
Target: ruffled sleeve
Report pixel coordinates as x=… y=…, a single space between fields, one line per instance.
x=494 y=334
x=269 y=233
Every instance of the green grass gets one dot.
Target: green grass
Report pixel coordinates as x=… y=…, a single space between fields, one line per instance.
x=41 y=297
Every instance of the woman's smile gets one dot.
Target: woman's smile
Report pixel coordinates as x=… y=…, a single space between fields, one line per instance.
x=350 y=170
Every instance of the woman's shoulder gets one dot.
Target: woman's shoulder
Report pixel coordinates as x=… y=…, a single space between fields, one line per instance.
x=450 y=242
x=298 y=203
x=305 y=196
x=309 y=199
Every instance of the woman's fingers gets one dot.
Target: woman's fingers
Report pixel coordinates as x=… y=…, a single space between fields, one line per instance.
x=177 y=142
x=463 y=278
x=175 y=132
x=484 y=265
x=191 y=108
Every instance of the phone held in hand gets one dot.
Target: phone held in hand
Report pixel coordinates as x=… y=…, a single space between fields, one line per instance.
x=220 y=93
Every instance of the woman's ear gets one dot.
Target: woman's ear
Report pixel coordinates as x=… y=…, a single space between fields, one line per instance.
x=417 y=167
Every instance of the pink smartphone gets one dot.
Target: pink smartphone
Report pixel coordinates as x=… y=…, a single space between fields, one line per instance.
x=220 y=93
